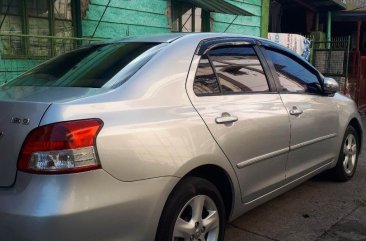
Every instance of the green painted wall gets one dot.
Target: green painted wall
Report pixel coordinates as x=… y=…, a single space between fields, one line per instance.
x=125 y=18
x=11 y=68
x=248 y=25
x=141 y=17
x=119 y=18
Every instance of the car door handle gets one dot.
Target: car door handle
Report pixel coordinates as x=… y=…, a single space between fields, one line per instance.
x=226 y=118
x=295 y=111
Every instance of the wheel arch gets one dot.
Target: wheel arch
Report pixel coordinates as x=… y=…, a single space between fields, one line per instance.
x=357 y=126
x=222 y=181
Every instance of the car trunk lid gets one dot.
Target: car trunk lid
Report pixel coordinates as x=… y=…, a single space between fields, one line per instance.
x=22 y=109
x=17 y=119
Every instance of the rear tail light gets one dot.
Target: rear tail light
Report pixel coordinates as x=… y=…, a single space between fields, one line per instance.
x=64 y=147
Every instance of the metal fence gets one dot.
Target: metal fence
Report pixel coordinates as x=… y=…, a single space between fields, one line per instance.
x=19 y=53
x=331 y=58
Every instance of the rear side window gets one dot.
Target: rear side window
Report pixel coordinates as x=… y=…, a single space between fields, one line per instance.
x=205 y=82
x=91 y=66
x=293 y=76
x=238 y=70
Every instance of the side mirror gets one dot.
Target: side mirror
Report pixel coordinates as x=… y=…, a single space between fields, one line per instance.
x=331 y=86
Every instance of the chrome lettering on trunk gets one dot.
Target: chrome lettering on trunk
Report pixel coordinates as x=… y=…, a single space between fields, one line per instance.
x=23 y=121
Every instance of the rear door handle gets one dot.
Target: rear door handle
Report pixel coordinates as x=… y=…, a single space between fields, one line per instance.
x=295 y=111
x=226 y=118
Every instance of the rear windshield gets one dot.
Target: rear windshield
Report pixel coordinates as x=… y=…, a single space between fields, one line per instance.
x=95 y=66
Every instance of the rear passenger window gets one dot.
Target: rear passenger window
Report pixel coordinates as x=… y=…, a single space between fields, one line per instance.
x=238 y=70
x=293 y=76
x=205 y=82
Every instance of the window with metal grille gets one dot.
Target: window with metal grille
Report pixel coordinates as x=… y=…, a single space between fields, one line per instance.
x=26 y=27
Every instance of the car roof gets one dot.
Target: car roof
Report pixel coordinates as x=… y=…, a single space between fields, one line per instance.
x=198 y=37
x=154 y=38
x=171 y=37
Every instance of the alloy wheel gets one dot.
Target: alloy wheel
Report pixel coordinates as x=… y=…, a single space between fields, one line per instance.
x=350 y=153
x=197 y=221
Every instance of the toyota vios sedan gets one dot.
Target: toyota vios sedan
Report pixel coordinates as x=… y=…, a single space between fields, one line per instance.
x=165 y=138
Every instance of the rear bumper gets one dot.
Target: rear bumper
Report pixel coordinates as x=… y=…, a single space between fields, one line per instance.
x=85 y=206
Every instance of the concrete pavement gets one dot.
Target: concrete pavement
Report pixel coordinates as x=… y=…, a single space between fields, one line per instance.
x=317 y=210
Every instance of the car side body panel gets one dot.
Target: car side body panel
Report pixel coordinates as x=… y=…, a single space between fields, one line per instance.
x=347 y=111
x=261 y=119
x=150 y=127
x=314 y=133
x=86 y=206
x=324 y=127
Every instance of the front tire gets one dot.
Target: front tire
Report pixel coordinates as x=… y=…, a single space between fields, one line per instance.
x=194 y=211
x=348 y=156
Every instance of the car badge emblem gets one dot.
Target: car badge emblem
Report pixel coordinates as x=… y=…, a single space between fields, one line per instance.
x=24 y=121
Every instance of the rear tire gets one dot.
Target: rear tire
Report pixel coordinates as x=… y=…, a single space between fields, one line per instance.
x=348 y=156
x=194 y=211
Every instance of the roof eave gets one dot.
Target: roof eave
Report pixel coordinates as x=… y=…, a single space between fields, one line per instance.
x=218 y=6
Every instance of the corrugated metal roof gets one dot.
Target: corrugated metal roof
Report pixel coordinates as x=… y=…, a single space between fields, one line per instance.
x=356 y=5
x=342 y=3
x=329 y=4
x=318 y=5
x=218 y=6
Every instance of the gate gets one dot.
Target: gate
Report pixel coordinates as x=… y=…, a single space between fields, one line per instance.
x=331 y=58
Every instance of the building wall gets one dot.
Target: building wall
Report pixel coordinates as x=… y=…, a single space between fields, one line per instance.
x=125 y=18
x=248 y=25
x=149 y=16
x=120 y=18
x=11 y=68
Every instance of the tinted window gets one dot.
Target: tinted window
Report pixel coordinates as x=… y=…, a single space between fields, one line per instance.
x=238 y=70
x=91 y=66
x=205 y=82
x=293 y=76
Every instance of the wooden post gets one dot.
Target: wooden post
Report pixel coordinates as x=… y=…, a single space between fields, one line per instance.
x=25 y=28
x=357 y=62
x=76 y=21
x=317 y=22
x=329 y=28
x=193 y=19
x=206 y=24
x=76 y=18
x=358 y=36
x=309 y=22
x=51 y=21
x=265 y=18
x=357 y=50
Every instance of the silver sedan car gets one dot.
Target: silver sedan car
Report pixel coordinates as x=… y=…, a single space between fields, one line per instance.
x=165 y=138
